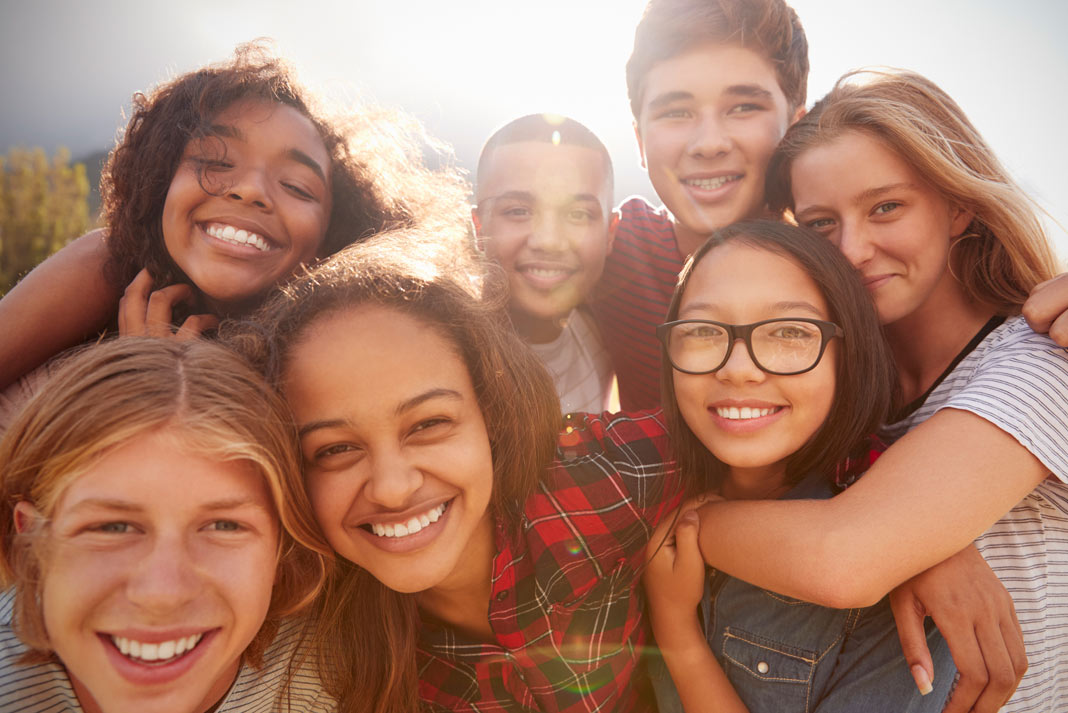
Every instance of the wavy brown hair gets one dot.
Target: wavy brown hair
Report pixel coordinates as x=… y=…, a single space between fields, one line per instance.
x=107 y=395
x=1004 y=251
x=378 y=176
x=368 y=633
x=770 y=28
x=864 y=373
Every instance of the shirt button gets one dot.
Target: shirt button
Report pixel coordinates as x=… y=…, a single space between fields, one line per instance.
x=762 y=667
x=502 y=595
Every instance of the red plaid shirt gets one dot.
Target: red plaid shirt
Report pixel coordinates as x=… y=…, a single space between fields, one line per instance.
x=565 y=604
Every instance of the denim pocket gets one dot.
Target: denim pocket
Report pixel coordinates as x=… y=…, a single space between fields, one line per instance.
x=768 y=675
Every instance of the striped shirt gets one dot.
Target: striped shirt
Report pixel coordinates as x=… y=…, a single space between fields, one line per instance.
x=565 y=606
x=45 y=687
x=1018 y=380
x=580 y=366
x=632 y=297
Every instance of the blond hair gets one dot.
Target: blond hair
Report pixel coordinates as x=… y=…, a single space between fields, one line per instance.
x=1004 y=252
x=107 y=395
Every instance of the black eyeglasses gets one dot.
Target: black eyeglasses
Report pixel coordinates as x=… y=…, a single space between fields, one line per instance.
x=777 y=346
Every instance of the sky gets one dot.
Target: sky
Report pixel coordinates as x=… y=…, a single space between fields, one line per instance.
x=466 y=67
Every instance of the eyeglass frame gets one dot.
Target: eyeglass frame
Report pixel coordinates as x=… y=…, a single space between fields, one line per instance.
x=828 y=331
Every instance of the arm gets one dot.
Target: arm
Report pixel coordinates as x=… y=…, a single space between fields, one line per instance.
x=674 y=585
x=925 y=499
x=1046 y=309
x=59 y=304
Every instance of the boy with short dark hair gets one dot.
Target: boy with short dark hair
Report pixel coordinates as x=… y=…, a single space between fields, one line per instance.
x=713 y=86
x=544 y=213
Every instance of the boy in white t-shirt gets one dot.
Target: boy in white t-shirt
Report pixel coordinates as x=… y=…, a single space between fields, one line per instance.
x=544 y=213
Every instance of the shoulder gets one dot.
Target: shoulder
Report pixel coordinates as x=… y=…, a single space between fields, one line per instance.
x=287 y=681
x=637 y=214
x=29 y=688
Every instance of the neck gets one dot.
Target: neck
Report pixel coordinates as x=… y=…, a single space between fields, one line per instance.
x=462 y=599
x=761 y=483
x=688 y=240
x=537 y=330
x=925 y=342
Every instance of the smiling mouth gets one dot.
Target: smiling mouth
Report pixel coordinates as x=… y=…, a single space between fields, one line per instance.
x=156 y=654
x=711 y=184
x=409 y=527
x=745 y=413
x=237 y=236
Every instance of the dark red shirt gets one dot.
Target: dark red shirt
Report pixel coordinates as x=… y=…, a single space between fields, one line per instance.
x=565 y=606
x=632 y=297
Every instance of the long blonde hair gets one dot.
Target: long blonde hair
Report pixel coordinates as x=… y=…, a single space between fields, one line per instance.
x=109 y=394
x=1004 y=252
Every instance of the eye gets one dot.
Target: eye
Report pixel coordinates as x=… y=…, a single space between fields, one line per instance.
x=334 y=450
x=210 y=164
x=674 y=114
x=430 y=424
x=794 y=331
x=887 y=207
x=698 y=331
x=225 y=526
x=300 y=192
x=745 y=108
x=113 y=528
x=820 y=225
x=517 y=212
x=581 y=215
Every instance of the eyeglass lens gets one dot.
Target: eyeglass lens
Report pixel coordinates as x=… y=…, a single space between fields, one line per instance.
x=783 y=345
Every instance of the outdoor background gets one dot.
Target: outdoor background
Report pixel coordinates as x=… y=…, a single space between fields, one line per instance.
x=465 y=67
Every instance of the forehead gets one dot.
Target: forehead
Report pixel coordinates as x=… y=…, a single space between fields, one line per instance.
x=160 y=471
x=711 y=70
x=271 y=125
x=547 y=171
x=741 y=283
x=368 y=360
x=851 y=162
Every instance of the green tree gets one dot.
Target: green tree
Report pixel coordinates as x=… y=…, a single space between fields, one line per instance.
x=43 y=206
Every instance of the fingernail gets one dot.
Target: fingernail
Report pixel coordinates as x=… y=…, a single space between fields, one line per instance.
x=690 y=516
x=923 y=681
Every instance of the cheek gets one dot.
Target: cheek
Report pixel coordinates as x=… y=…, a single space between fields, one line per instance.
x=689 y=395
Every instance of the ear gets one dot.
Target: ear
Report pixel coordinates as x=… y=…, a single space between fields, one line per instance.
x=798 y=113
x=476 y=220
x=960 y=219
x=641 y=144
x=613 y=226
x=26 y=516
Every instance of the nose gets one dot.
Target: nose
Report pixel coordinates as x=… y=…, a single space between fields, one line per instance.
x=547 y=234
x=394 y=479
x=250 y=186
x=710 y=137
x=740 y=368
x=855 y=244
x=165 y=578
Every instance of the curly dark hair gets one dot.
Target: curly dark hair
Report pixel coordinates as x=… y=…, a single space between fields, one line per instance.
x=378 y=174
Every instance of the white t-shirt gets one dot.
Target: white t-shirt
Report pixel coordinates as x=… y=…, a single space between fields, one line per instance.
x=1018 y=380
x=45 y=688
x=580 y=366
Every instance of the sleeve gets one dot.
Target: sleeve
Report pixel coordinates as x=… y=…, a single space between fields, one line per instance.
x=1021 y=386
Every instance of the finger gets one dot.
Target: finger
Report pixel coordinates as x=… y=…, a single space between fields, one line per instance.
x=1058 y=331
x=133 y=303
x=686 y=531
x=971 y=669
x=160 y=309
x=909 y=615
x=195 y=325
x=1048 y=300
x=1001 y=675
x=1013 y=633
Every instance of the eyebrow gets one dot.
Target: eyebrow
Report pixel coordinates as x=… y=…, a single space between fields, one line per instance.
x=232 y=132
x=882 y=190
x=529 y=197
x=668 y=98
x=401 y=408
x=754 y=91
x=130 y=507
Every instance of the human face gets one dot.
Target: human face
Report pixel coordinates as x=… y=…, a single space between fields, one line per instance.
x=544 y=213
x=710 y=119
x=166 y=556
x=747 y=418
x=268 y=173
x=894 y=227
x=397 y=458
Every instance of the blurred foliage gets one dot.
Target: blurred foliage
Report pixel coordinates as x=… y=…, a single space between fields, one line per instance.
x=43 y=206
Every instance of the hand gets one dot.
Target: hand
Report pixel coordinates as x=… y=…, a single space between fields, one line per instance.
x=674 y=576
x=1046 y=310
x=148 y=313
x=976 y=616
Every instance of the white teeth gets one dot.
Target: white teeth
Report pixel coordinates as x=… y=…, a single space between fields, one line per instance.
x=161 y=651
x=709 y=184
x=236 y=236
x=412 y=526
x=734 y=413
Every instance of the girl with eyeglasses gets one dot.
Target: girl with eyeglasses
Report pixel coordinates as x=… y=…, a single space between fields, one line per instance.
x=774 y=375
x=891 y=171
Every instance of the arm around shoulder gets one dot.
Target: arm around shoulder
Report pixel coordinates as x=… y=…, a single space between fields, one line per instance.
x=925 y=499
x=59 y=304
